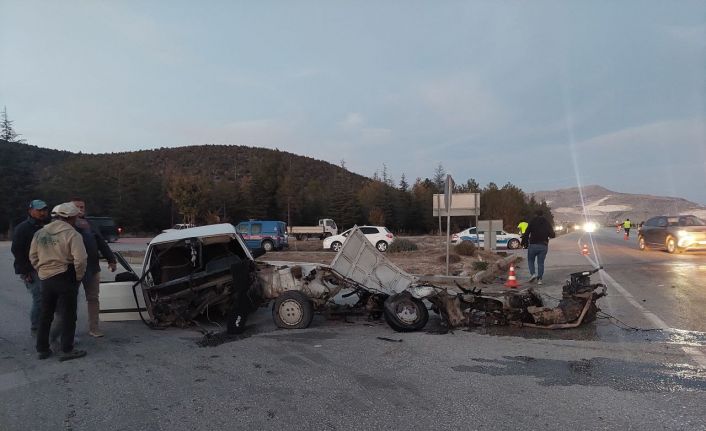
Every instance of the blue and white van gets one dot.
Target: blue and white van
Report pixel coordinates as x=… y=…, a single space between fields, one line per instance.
x=267 y=234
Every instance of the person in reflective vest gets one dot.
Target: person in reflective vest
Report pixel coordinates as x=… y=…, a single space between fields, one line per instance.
x=626 y=227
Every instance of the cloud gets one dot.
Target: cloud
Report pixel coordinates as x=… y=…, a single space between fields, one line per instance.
x=464 y=102
x=693 y=35
x=352 y=121
x=684 y=136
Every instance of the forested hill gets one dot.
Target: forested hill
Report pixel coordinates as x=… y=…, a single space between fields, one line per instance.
x=149 y=190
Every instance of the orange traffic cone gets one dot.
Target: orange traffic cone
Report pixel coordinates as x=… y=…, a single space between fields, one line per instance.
x=584 y=250
x=511 y=279
x=625 y=237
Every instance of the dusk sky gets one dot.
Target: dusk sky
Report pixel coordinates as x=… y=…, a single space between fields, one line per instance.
x=523 y=91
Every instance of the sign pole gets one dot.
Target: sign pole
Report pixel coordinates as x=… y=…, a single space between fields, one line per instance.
x=447 y=202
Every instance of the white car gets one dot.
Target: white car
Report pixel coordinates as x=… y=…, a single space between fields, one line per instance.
x=379 y=236
x=502 y=239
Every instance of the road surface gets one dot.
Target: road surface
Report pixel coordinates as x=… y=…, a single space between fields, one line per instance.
x=339 y=375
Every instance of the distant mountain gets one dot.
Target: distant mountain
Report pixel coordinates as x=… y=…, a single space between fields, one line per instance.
x=607 y=206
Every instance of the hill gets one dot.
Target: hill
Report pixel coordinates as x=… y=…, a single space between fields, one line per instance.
x=607 y=206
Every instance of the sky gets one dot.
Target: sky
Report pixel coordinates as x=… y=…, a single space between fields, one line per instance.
x=543 y=94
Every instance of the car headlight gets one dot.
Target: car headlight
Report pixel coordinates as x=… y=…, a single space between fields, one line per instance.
x=589 y=227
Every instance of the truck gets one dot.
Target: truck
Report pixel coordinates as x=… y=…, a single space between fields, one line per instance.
x=326 y=227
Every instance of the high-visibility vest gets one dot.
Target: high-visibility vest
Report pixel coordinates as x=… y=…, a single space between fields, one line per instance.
x=522 y=226
x=627 y=224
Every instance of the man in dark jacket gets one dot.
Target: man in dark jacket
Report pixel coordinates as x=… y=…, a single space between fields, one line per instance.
x=537 y=237
x=94 y=243
x=21 y=241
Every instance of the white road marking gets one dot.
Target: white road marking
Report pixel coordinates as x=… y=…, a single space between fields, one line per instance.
x=695 y=354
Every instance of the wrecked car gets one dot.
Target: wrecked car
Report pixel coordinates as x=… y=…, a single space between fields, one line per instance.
x=198 y=271
x=208 y=270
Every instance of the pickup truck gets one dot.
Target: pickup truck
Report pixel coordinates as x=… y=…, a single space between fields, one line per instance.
x=326 y=227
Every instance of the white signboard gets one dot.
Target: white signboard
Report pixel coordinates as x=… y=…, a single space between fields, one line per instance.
x=462 y=204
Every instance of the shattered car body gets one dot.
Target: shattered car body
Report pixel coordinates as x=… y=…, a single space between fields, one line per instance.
x=208 y=269
x=403 y=295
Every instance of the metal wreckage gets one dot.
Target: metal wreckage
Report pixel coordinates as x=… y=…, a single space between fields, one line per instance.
x=203 y=270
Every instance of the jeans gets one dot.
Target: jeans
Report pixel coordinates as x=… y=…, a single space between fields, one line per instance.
x=539 y=252
x=35 y=289
x=59 y=293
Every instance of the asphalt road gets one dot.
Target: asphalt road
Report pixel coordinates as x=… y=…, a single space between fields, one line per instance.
x=339 y=375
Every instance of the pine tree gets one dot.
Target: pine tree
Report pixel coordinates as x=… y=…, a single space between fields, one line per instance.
x=7 y=132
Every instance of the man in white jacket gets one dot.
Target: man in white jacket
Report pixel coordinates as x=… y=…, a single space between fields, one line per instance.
x=59 y=256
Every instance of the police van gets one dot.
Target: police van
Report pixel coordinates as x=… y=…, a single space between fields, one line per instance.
x=267 y=234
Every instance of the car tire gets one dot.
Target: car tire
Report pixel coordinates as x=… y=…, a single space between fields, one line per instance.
x=671 y=245
x=641 y=243
x=513 y=244
x=404 y=313
x=292 y=310
x=336 y=246
x=381 y=246
x=268 y=246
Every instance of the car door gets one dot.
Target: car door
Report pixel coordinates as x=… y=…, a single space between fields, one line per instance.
x=117 y=298
x=658 y=233
x=501 y=238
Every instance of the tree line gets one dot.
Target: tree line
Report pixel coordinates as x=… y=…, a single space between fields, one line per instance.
x=149 y=190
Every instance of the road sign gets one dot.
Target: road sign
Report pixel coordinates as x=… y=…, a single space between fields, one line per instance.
x=462 y=204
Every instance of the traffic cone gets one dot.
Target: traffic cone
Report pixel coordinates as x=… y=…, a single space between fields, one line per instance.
x=584 y=250
x=511 y=278
x=625 y=237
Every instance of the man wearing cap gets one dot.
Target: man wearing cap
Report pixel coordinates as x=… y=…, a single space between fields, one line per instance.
x=59 y=256
x=94 y=242
x=21 y=240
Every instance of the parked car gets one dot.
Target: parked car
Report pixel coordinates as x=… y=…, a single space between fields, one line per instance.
x=379 y=236
x=502 y=239
x=268 y=234
x=106 y=226
x=673 y=233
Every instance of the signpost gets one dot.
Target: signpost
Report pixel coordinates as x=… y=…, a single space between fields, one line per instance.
x=454 y=204
x=488 y=229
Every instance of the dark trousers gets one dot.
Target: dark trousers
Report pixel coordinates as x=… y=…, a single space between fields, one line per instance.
x=59 y=294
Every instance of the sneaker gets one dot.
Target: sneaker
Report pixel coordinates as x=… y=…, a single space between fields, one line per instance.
x=44 y=355
x=74 y=354
x=539 y=281
x=96 y=333
x=532 y=278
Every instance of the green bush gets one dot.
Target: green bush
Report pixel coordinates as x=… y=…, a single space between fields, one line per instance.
x=401 y=245
x=480 y=266
x=465 y=248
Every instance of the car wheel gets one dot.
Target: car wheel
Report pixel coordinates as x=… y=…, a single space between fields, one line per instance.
x=405 y=313
x=268 y=246
x=641 y=243
x=292 y=310
x=513 y=244
x=336 y=246
x=381 y=246
x=671 y=245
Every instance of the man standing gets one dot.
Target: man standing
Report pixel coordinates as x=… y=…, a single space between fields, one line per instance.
x=522 y=227
x=94 y=242
x=21 y=240
x=537 y=236
x=626 y=226
x=59 y=256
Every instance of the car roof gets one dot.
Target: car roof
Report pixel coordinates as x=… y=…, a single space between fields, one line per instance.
x=198 y=231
